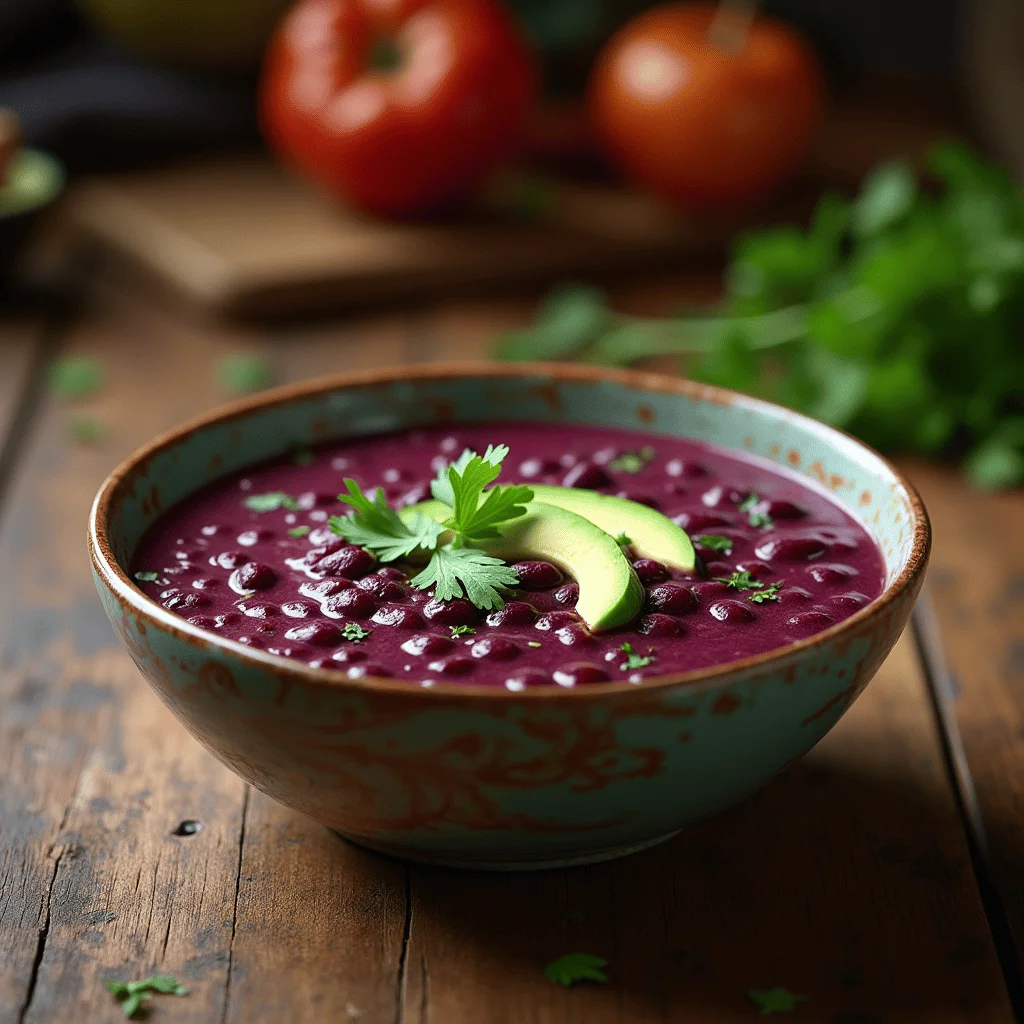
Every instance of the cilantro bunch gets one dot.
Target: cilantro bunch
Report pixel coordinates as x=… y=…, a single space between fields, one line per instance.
x=898 y=316
x=455 y=568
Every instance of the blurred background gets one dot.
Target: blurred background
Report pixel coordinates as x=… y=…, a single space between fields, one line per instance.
x=834 y=184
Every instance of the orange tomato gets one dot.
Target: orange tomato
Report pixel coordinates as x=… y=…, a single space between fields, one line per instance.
x=700 y=124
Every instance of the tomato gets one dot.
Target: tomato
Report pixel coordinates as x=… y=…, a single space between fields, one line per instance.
x=398 y=106
x=700 y=124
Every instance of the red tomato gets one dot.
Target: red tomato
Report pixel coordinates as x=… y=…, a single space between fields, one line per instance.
x=697 y=123
x=398 y=106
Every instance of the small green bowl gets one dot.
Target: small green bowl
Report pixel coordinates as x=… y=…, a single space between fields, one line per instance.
x=482 y=777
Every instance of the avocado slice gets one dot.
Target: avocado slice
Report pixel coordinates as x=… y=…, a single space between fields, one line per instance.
x=610 y=592
x=651 y=534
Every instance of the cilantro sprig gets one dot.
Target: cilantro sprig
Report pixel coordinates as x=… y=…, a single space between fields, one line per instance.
x=271 y=502
x=740 y=581
x=354 y=632
x=860 y=319
x=458 y=631
x=132 y=994
x=455 y=569
x=714 y=542
x=576 y=967
x=634 y=660
x=770 y=593
x=756 y=515
x=633 y=462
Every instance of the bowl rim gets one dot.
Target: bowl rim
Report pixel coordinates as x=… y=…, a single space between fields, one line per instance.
x=126 y=592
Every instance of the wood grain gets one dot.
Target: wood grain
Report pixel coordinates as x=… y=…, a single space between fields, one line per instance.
x=847 y=879
x=976 y=582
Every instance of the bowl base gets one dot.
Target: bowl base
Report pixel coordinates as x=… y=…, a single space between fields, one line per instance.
x=482 y=864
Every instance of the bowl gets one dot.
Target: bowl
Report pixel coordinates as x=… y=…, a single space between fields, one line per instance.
x=481 y=777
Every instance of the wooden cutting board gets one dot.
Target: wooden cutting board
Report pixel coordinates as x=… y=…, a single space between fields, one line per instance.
x=241 y=238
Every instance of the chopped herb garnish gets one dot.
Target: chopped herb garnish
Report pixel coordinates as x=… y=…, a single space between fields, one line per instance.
x=86 y=430
x=770 y=593
x=533 y=643
x=354 y=632
x=634 y=660
x=454 y=570
x=75 y=376
x=622 y=540
x=574 y=967
x=303 y=458
x=242 y=373
x=271 y=502
x=299 y=531
x=740 y=581
x=633 y=462
x=146 y=576
x=748 y=503
x=756 y=516
x=775 y=1000
x=714 y=542
x=132 y=994
x=458 y=631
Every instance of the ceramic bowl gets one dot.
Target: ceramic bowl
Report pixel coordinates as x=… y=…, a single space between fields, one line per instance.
x=479 y=776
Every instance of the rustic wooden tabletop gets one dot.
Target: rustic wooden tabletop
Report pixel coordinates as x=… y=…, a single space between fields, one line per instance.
x=879 y=876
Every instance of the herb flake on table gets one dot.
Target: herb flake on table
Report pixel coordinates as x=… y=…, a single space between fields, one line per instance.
x=86 y=429
x=354 y=632
x=770 y=593
x=714 y=542
x=775 y=1000
x=75 y=376
x=271 y=502
x=454 y=569
x=634 y=660
x=243 y=373
x=896 y=315
x=576 y=967
x=740 y=581
x=132 y=994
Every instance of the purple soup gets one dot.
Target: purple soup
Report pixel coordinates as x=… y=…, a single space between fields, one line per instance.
x=282 y=581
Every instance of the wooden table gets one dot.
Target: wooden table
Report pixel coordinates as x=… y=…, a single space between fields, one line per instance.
x=880 y=876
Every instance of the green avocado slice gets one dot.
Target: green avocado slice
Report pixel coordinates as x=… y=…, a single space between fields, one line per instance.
x=610 y=592
x=651 y=534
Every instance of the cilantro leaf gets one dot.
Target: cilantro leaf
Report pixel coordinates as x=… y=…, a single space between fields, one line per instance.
x=75 y=376
x=354 y=632
x=166 y=984
x=633 y=462
x=458 y=572
x=575 y=967
x=147 y=576
x=458 y=631
x=770 y=593
x=132 y=994
x=714 y=542
x=634 y=660
x=242 y=373
x=440 y=486
x=270 y=502
x=300 y=531
x=756 y=510
x=623 y=540
x=534 y=643
x=379 y=529
x=775 y=1000
x=133 y=1003
x=740 y=581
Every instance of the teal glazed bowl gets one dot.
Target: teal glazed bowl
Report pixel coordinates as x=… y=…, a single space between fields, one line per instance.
x=482 y=777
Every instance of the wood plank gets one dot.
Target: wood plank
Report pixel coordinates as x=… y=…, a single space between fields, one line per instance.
x=20 y=340
x=976 y=582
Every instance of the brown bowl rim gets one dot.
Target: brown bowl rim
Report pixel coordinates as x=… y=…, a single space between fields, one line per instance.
x=126 y=592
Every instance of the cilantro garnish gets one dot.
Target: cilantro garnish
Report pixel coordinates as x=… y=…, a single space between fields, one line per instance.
x=458 y=631
x=242 y=373
x=534 y=643
x=271 y=502
x=454 y=570
x=86 y=429
x=775 y=1000
x=623 y=540
x=132 y=994
x=857 y=319
x=75 y=376
x=300 y=531
x=756 y=517
x=634 y=660
x=575 y=967
x=354 y=632
x=145 y=576
x=714 y=542
x=770 y=593
x=740 y=581
x=632 y=462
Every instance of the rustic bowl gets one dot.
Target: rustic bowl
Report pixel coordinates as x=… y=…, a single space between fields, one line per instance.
x=479 y=776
